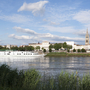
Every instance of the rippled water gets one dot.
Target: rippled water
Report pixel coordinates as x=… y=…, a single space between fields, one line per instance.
x=49 y=65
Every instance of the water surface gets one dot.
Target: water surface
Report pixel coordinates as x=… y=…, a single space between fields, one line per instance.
x=49 y=65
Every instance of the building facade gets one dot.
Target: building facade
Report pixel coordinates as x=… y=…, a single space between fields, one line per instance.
x=86 y=46
x=44 y=45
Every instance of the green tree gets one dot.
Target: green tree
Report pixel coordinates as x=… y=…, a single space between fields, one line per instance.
x=1 y=47
x=74 y=50
x=50 y=50
x=44 y=50
x=79 y=50
x=38 y=47
x=51 y=46
x=21 y=48
x=83 y=50
x=68 y=50
x=14 y=48
x=57 y=46
x=69 y=47
x=29 y=48
x=64 y=45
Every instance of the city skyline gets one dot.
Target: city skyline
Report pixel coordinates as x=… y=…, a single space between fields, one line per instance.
x=25 y=21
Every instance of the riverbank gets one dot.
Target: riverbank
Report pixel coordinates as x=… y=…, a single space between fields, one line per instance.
x=12 y=79
x=65 y=54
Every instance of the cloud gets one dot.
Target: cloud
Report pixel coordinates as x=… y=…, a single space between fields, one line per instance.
x=43 y=36
x=15 y=18
x=19 y=29
x=51 y=22
x=34 y=7
x=54 y=23
x=51 y=38
x=82 y=16
x=82 y=33
x=25 y=38
x=59 y=29
x=19 y=37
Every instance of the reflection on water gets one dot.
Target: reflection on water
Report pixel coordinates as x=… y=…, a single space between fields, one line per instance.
x=49 y=65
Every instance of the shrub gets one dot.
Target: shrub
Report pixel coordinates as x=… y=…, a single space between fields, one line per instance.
x=8 y=77
x=50 y=50
x=44 y=50
x=31 y=79
x=83 y=50
x=74 y=50
x=68 y=50
x=79 y=50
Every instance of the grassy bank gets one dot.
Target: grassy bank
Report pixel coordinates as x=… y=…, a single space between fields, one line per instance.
x=31 y=80
x=64 y=54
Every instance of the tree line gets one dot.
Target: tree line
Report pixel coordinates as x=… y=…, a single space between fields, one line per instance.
x=79 y=50
x=26 y=48
x=58 y=46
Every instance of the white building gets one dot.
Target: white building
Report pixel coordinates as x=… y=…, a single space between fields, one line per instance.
x=71 y=43
x=9 y=46
x=86 y=46
x=44 y=44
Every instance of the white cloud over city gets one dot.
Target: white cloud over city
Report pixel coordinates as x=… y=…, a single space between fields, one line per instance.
x=83 y=16
x=32 y=35
x=59 y=29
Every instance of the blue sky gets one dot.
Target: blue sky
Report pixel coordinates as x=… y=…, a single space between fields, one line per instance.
x=31 y=21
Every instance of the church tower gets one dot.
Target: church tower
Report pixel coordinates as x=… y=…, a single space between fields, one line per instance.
x=87 y=38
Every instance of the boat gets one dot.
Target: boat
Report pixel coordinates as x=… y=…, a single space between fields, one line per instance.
x=19 y=54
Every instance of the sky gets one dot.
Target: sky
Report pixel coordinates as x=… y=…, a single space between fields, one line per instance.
x=31 y=21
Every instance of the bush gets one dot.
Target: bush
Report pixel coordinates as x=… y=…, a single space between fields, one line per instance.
x=31 y=79
x=50 y=50
x=8 y=77
x=83 y=50
x=79 y=50
x=74 y=50
x=18 y=79
x=44 y=50
x=68 y=50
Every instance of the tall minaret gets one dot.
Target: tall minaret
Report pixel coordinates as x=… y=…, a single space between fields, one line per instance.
x=87 y=38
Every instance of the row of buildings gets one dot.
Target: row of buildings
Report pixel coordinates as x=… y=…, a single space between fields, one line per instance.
x=46 y=44
x=86 y=46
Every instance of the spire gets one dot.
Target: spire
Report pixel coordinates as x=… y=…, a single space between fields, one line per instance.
x=87 y=30
x=87 y=37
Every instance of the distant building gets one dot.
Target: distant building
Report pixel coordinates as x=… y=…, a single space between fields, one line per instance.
x=9 y=46
x=86 y=46
x=23 y=45
x=44 y=44
x=70 y=43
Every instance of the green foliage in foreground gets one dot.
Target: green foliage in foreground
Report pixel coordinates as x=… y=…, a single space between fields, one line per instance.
x=64 y=54
x=31 y=80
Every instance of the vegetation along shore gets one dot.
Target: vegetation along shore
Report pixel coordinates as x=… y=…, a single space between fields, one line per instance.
x=12 y=79
x=66 y=54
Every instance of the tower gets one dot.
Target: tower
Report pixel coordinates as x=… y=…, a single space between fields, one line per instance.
x=87 y=38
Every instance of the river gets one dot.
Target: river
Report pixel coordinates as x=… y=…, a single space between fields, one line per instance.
x=49 y=65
